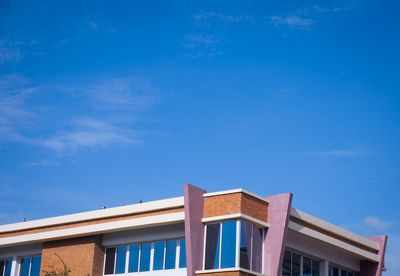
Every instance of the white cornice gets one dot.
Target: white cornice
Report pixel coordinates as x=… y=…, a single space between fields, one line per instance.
x=332 y=241
x=334 y=229
x=97 y=214
x=106 y=227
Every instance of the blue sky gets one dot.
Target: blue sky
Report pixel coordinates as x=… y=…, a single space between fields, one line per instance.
x=104 y=103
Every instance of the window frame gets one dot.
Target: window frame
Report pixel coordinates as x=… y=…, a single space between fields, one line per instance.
x=151 y=264
x=237 y=245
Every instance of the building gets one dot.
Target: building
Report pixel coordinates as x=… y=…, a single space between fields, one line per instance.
x=225 y=233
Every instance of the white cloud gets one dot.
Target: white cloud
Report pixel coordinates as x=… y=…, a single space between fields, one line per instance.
x=118 y=99
x=340 y=153
x=9 y=53
x=291 y=21
x=199 y=45
x=41 y=163
x=375 y=223
x=88 y=133
x=123 y=93
x=331 y=9
x=208 y=18
x=93 y=26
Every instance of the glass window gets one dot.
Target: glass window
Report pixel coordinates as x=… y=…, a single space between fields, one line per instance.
x=182 y=253
x=158 y=260
x=228 y=252
x=212 y=246
x=35 y=265
x=121 y=260
x=295 y=264
x=134 y=258
x=245 y=244
x=333 y=271
x=256 y=257
x=350 y=274
x=306 y=266
x=7 y=270
x=287 y=264
x=343 y=272
x=110 y=261
x=145 y=256
x=25 y=266
x=2 y=267
x=170 y=254
x=315 y=268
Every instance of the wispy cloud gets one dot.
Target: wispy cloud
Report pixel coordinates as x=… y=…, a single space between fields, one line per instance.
x=123 y=93
x=294 y=21
x=9 y=53
x=105 y=119
x=341 y=153
x=87 y=133
x=210 y=18
x=41 y=163
x=326 y=9
x=375 y=223
x=199 y=45
x=93 y=26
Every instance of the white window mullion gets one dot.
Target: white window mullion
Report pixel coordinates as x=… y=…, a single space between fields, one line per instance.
x=177 y=253
x=204 y=247
x=115 y=259
x=140 y=256
x=151 y=256
x=237 y=247
x=301 y=265
x=165 y=254
x=128 y=253
x=251 y=248
x=15 y=266
x=220 y=245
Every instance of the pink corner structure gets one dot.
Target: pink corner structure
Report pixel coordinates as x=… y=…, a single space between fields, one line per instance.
x=369 y=268
x=275 y=240
x=194 y=228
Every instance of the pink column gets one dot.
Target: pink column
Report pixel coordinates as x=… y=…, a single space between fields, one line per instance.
x=194 y=228
x=275 y=240
x=376 y=269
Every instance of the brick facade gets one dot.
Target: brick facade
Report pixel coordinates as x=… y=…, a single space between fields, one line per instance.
x=84 y=256
x=229 y=204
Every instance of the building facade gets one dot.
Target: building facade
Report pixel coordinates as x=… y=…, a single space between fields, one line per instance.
x=228 y=233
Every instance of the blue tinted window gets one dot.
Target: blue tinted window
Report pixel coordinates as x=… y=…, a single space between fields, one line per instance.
x=121 y=259
x=182 y=253
x=212 y=246
x=228 y=253
x=245 y=244
x=256 y=258
x=158 y=261
x=7 y=271
x=110 y=261
x=134 y=258
x=145 y=256
x=315 y=268
x=35 y=267
x=306 y=266
x=2 y=267
x=170 y=254
x=25 y=264
x=287 y=264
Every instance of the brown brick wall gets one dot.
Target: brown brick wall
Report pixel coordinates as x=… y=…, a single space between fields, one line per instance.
x=222 y=205
x=254 y=207
x=235 y=203
x=89 y=222
x=84 y=256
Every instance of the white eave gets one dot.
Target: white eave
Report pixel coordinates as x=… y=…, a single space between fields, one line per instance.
x=98 y=214
x=334 y=229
